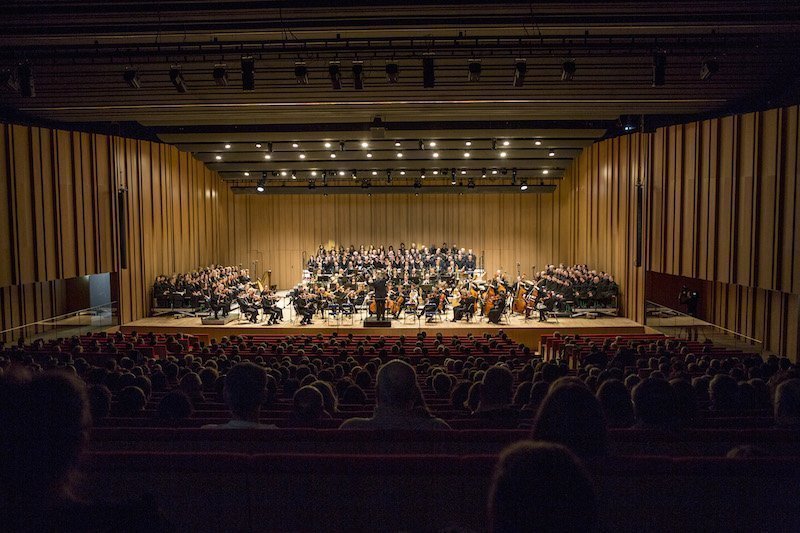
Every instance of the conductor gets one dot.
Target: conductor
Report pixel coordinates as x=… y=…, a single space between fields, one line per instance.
x=379 y=286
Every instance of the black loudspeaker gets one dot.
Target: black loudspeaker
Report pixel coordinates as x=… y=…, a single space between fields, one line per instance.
x=374 y=323
x=122 y=214
x=639 y=199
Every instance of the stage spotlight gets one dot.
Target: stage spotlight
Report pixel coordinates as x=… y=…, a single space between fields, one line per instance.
x=131 y=77
x=627 y=122
x=524 y=186
x=471 y=183
x=354 y=174
x=567 y=70
x=428 y=73
x=708 y=68
x=341 y=172
x=358 y=75
x=220 y=75
x=520 y=69
x=659 y=68
x=27 y=87
x=294 y=175
x=474 y=70
x=301 y=73
x=248 y=73
x=176 y=77
x=262 y=182
x=392 y=72
x=335 y=75
x=422 y=173
x=483 y=172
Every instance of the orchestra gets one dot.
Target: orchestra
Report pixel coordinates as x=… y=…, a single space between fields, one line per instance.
x=418 y=281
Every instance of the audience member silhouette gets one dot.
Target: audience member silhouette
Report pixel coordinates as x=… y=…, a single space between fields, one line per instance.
x=572 y=416
x=615 y=400
x=654 y=404
x=787 y=404
x=175 y=405
x=244 y=392
x=541 y=487
x=396 y=392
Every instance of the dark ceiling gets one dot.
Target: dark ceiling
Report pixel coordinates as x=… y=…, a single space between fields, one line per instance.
x=78 y=52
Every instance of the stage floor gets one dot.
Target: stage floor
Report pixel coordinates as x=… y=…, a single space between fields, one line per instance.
x=526 y=331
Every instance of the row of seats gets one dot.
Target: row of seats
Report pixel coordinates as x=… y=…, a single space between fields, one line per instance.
x=622 y=442
x=308 y=492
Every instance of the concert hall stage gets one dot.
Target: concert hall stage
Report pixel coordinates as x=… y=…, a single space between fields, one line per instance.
x=519 y=329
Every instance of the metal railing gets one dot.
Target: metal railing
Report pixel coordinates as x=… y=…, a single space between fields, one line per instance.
x=677 y=324
x=89 y=320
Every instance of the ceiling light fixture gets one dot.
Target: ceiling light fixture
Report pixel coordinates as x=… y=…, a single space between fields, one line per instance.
x=335 y=75
x=220 y=74
x=568 y=70
x=301 y=73
x=358 y=75
x=392 y=71
x=131 y=77
x=474 y=70
x=520 y=69
x=176 y=77
x=248 y=73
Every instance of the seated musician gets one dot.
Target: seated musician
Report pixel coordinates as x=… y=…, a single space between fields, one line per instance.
x=272 y=312
x=248 y=307
x=496 y=312
x=431 y=307
x=465 y=307
x=304 y=307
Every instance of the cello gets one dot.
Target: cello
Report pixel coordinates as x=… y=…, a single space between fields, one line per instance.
x=518 y=304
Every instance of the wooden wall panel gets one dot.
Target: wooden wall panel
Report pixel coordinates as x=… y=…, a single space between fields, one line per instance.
x=602 y=183
x=58 y=217
x=737 y=216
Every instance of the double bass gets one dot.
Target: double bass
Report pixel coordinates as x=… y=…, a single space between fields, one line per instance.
x=497 y=289
x=519 y=304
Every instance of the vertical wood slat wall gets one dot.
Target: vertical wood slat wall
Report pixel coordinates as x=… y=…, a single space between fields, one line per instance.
x=602 y=190
x=725 y=207
x=527 y=228
x=58 y=217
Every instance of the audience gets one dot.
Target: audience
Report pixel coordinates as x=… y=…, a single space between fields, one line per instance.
x=309 y=407
x=396 y=391
x=541 y=487
x=175 y=405
x=570 y=415
x=654 y=405
x=245 y=390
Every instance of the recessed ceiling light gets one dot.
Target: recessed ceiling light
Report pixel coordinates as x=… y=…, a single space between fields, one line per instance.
x=545 y=172
x=258 y=145
x=283 y=173
x=551 y=154
x=397 y=144
x=295 y=145
x=432 y=144
x=327 y=145
x=246 y=173
x=537 y=143
x=435 y=172
x=463 y=172
x=374 y=172
x=302 y=156
x=219 y=157
x=399 y=154
x=435 y=154
x=369 y=155
x=494 y=171
x=365 y=145
x=267 y=156
x=341 y=172
x=227 y=146
x=402 y=172
x=503 y=154
x=468 y=143
x=466 y=154
x=505 y=143
x=313 y=172
x=333 y=156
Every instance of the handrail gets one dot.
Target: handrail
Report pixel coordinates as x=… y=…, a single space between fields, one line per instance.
x=702 y=322
x=111 y=305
